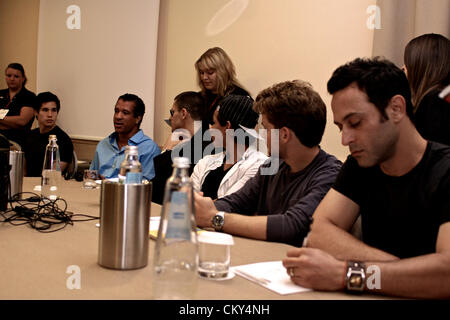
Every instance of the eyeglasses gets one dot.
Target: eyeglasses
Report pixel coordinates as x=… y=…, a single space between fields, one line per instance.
x=172 y=111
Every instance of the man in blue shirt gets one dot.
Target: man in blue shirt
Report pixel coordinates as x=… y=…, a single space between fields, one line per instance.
x=110 y=152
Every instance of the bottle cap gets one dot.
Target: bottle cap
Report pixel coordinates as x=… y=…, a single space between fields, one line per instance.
x=181 y=162
x=131 y=150
x=52 y=137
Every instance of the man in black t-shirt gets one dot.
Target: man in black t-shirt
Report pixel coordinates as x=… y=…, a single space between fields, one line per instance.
x=398 y=183
x=37 y=140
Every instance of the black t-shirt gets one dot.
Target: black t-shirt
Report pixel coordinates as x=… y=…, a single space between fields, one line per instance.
x=23 y=98
x=35 y=145
x=212 y=181
x=432 y=118
x=401 y=215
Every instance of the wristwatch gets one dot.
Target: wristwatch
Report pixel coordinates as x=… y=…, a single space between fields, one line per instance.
x=218 y=220
x=356 y=276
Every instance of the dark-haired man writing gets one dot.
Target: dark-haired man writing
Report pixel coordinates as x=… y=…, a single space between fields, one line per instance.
x=395 y=180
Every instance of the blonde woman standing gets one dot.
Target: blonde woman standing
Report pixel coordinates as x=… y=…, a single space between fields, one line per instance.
x=216 y=76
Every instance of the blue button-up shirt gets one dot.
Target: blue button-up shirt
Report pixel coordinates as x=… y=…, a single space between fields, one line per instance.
x=108 y=157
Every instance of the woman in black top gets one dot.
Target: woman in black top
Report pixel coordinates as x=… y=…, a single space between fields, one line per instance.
x=216 y=77
x=427 y=66
x=19 y=103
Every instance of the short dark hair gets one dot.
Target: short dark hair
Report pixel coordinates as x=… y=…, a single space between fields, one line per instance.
x=18 y=66
x=193 y=102
x=379 y=78
x=47 y=96
x=295 y=105
x=139 y=106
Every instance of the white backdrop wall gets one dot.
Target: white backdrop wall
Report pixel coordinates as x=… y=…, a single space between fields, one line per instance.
x=91 y=54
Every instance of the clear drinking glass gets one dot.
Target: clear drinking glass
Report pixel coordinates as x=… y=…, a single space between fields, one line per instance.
x=214 y=254
x=89 y=178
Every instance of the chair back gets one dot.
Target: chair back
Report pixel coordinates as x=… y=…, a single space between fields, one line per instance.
x=72 y=168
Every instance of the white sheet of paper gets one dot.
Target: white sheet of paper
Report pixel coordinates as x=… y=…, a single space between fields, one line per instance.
x=154 y=224
x=271 y=275
x=3 y=113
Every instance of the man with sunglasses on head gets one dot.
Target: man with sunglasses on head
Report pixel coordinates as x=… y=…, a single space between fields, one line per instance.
x=186 y=120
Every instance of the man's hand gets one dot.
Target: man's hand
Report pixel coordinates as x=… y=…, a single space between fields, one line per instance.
x=205 y=210
x=175 y=138
x=316 y=269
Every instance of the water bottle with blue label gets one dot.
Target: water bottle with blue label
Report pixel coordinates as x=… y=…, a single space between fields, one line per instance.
x=130 y=168
x=176 y=252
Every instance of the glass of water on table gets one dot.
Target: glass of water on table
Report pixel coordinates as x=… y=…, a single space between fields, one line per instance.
x=89 y=179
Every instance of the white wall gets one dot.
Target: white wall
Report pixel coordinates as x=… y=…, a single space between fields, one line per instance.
x=114 y=52
x=271 y=41
x=18 y=41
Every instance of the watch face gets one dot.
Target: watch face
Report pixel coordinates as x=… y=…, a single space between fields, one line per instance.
x=355 y=277
x=355 y=281
x=217 y=221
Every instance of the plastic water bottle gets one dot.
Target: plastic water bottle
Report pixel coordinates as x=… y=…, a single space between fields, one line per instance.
x=176 y=252
x=51 y=170
x=130 y=168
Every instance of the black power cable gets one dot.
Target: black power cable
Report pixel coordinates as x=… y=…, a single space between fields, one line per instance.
x=41 y=213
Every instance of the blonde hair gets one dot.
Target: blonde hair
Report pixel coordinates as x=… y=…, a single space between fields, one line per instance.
x=217 y=59
x=427 y=62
